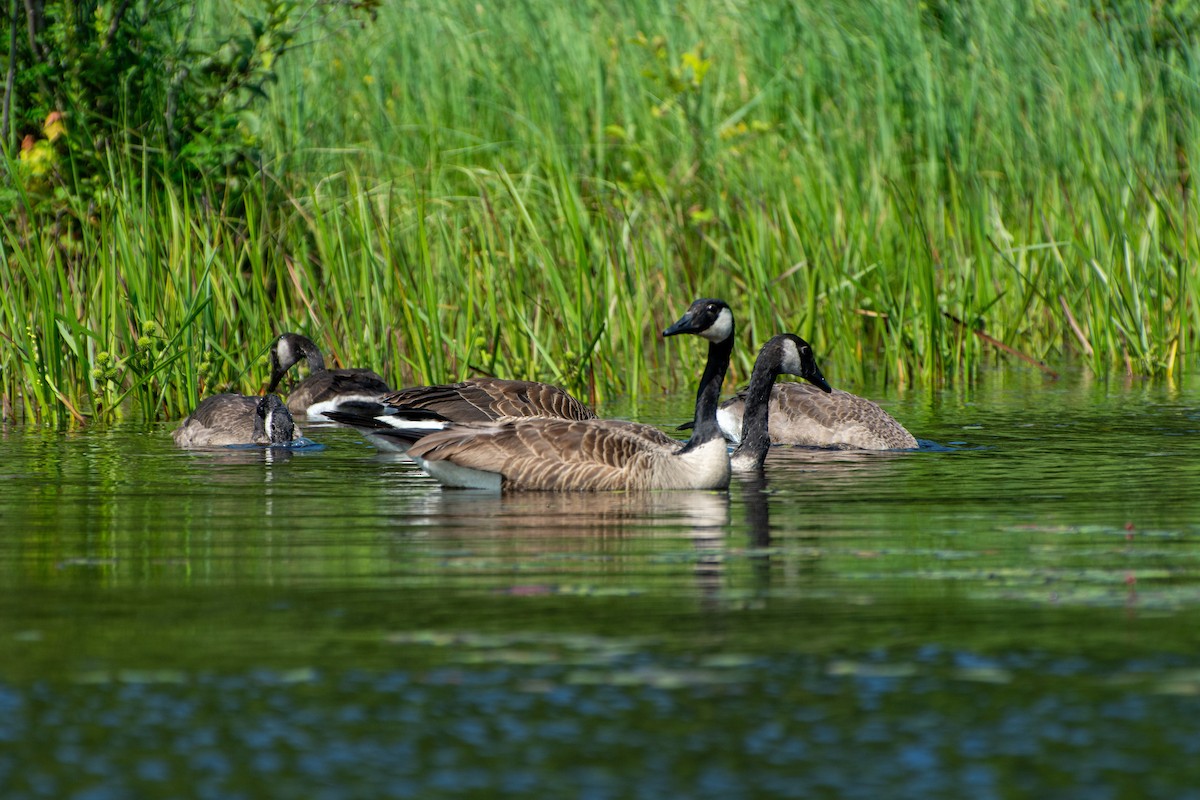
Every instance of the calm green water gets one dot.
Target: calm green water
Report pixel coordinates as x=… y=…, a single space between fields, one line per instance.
x=1011 y=612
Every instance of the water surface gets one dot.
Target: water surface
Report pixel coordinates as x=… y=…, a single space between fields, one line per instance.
x=1011 y=611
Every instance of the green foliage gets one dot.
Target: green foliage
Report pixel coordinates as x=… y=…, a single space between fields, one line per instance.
x=535 y=190
x=175 y=87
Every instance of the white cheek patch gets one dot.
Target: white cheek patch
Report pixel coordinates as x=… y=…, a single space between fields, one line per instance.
x=272 y=415
x=722 y=329
x=791 y=362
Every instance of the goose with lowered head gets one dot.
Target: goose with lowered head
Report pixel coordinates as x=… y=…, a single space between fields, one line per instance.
x=323 y=389
x=237 y=419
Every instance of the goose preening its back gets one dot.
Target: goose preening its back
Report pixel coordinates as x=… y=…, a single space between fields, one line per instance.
x=803 y=414
x=428 y=408
x=236 y=419
x=539 y=453
x=323 y=389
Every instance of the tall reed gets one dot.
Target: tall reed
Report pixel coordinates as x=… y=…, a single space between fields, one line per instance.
x=535 y=189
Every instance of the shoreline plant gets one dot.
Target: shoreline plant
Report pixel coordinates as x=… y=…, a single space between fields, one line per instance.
x=533 y=190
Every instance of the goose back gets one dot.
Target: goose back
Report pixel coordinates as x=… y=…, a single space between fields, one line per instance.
x=334 y=389
x=410 y=413
x=483 y=399
x=802 y=414
x=540 y=454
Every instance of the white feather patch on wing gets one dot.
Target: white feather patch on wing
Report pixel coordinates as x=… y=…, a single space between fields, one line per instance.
x=317 y=410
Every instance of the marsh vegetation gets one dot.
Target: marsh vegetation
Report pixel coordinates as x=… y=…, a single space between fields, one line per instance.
x=533 y=190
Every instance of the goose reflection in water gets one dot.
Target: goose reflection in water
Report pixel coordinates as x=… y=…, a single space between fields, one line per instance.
x=791 y=465
x=753 y=490
x=734 y=555
x=540 y=515
x=251 y=454
x=582 y=533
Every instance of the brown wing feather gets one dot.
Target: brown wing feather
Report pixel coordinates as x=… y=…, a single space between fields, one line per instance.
x=548 y=454
x=484 y=399
x=802 y=414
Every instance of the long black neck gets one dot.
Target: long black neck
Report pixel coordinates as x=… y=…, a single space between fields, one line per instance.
x=756 y=438
x=705 y=426
x=316 y=362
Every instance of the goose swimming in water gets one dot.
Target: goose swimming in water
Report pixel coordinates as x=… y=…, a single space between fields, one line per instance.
x=236 y=419
x=323 y=389
x=537 y=453
x=594 y=455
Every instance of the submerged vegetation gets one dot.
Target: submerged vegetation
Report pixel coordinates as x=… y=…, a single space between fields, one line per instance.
x=535 y=189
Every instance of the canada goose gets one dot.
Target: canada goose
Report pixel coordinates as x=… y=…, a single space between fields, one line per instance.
x=803 y=414
x=232 y=419
x=427 y=408
x=323 y=389
x=593 y=454
x=784 y=353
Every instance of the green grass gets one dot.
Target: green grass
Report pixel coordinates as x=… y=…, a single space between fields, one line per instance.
x=536 y=189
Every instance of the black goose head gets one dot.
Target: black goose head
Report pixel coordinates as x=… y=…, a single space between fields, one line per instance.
x=794 y=356
x=287 y=350
x=712 y=319
x=785 y=353
x=709 y=319
x=272 y=421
